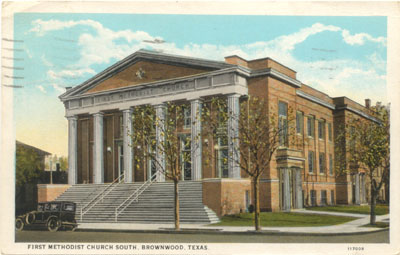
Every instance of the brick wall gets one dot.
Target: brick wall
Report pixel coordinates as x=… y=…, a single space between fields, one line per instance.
x=226 y=196
x=49 y=192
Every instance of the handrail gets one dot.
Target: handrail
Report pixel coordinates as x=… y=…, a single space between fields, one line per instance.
x=102 y=194
x=137 y=193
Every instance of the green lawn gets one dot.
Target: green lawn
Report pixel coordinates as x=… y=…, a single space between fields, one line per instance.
x=282 y=219
x=362 y=209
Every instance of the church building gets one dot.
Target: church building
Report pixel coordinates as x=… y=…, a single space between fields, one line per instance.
x=99 y=113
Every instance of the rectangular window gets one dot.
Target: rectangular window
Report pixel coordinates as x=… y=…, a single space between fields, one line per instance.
x=310 y=126
x=186 y=165
x=121 y=126
x=323 y=197
x=187 y=118
x=299 y=123
x=330 y=164
x=321 y=129
x=313 y=195
x=332 y=197
x=330 y=131
x=222 y=157
x=283 y=126
x=310 y=161
x=322 y=163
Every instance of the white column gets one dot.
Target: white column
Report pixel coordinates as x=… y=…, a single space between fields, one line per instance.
x=233 y=136
x=196 y=149
x=98 y=160
x=128 y=150
x=160 y=156
x=72 y=150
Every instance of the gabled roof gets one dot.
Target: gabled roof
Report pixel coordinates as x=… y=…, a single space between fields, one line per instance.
x=143 y=55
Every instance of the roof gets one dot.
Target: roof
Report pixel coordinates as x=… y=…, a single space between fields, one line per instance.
x=144 y=55
x=32 y=147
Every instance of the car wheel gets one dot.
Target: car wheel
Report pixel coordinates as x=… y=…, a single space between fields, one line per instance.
x=30 y=218
x=19 y=224
x=53 y=224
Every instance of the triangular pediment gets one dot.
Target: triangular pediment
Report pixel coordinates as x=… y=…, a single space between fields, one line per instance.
x=144 y=67
x=145 y=72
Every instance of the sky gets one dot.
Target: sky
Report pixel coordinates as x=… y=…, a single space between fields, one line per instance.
x=341 y=56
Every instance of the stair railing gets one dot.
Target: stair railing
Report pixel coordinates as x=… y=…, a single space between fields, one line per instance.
x=134 y=196
x=101 y=195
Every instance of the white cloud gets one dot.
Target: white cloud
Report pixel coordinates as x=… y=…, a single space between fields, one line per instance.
x=361 y=38
x=41 y=88
x=73 y=73
x=58 y=87
x=335 y=77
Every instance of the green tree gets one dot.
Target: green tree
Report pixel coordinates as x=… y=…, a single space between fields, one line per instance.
x=63 y=163
x=367 y=148
x=28 y=164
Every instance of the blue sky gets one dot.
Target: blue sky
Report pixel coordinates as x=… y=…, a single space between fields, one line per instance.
x=337 y=55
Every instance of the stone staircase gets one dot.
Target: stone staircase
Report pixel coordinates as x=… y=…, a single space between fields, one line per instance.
x=154 y=205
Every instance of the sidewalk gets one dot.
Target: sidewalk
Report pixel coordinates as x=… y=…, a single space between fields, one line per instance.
x=351 y=227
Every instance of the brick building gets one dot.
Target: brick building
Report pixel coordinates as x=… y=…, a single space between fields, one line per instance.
x=99 y=113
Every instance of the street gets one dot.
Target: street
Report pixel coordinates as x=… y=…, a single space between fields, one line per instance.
x=131 y=237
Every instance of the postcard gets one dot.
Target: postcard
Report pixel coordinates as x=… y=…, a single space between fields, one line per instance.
x=199 y=127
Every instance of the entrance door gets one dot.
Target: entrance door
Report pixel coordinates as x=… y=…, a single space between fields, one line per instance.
x=151 y=163
x=185 y=157
x=120 y=158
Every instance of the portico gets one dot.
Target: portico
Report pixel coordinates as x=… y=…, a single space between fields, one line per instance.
x=109 y=114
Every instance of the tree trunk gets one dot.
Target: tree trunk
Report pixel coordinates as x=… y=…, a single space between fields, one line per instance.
x=256 y=205
x=372 y=220
x=176 y=194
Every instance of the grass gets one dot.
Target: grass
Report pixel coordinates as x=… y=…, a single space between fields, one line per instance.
x=361 y=209
x=282 y=219
x=378 y=225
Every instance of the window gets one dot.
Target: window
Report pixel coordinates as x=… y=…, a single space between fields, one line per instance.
x=323 y=197
x=332 y=197
x=310 y=161
x=299 y=123
x=321 y=129
x=313 y=195
x=186 y=157
x=352 y=139
x=222 y=157
x=283 y=126
x=330 y=164
x=187 y=118
x=121 y=126
x=321 y=163
x=330 y=131
x=310 y=126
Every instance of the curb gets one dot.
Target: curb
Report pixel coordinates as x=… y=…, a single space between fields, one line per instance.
x=221 y=232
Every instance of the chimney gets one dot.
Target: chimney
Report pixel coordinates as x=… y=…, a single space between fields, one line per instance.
x=236 y=60
x=68 y=88
x=368 y=103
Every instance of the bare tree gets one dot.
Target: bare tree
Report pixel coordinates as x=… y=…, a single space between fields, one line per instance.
x=156 y=138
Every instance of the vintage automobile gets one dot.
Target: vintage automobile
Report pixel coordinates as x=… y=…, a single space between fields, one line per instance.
x=52 y=215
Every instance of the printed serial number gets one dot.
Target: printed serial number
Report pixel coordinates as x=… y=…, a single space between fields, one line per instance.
x=353 y=248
